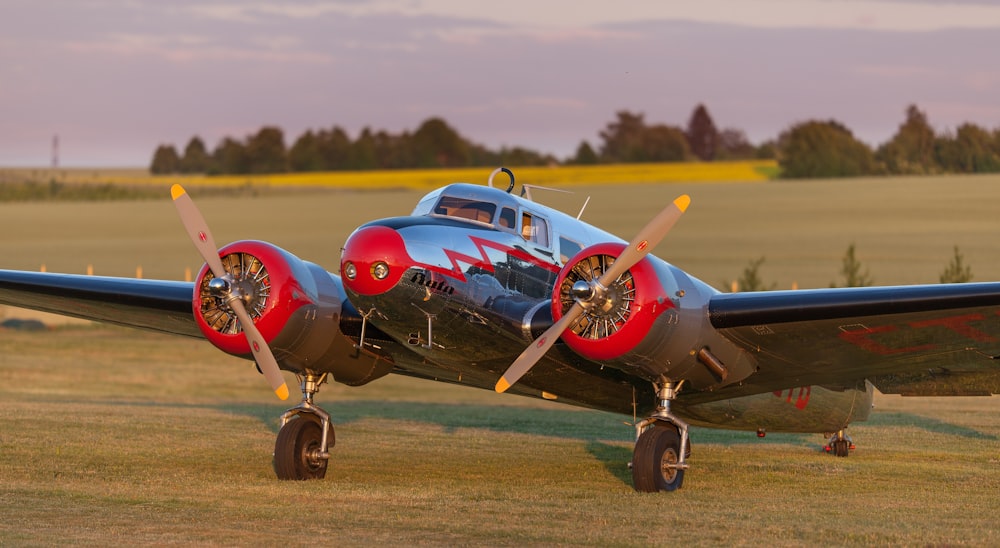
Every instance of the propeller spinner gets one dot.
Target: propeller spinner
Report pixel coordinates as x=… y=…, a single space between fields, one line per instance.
x=592 y=293
x=223 y=285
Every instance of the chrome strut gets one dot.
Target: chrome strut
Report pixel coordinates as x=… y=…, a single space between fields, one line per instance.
x=666 y=391
x=309 y=384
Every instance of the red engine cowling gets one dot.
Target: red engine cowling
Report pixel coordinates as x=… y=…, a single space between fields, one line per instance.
x=295 y=305
x=613 y=328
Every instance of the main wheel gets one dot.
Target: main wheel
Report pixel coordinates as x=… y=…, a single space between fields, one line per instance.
x=297 y=451
x=656 y=451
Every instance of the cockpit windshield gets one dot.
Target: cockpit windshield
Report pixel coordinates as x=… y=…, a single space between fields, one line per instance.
x=465 y=208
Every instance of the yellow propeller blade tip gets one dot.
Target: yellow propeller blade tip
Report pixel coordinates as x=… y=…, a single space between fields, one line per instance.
x=177 y=191
x=282 y=391
x=682 y=202
x=502 y=385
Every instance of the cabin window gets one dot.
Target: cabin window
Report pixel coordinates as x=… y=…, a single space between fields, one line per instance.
x=535 y=229
x=464 y=208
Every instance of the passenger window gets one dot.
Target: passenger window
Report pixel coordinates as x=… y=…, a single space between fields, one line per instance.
x=535 y=229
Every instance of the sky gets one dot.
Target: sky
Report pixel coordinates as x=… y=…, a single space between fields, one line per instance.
x=116 y=78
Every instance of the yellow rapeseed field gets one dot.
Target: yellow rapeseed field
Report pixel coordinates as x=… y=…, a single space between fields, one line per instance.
x=686 y=172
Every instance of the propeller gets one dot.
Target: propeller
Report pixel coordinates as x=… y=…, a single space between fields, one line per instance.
x=198 y=231
x=589 y=294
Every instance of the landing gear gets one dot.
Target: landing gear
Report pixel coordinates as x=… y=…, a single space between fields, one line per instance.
x=840 y=444
x=302 y=450
x=661 y=447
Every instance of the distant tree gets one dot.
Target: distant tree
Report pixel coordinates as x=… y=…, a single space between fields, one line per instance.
x=768 y=150
x=971 y=150
x=662 y=143
x=336 y=149
x=702 y=136
x=266 y=151
x=750 y=279
x=165 y=160
x=585 y=155
x=305 y=154
x=363 y=151
x=196 y=158
x=734 y=145
x=230 y=157
x=623 y=138
x=436 y=144
x=911 y=149
x=851 y=269
x=823 y=149
x=957 y=271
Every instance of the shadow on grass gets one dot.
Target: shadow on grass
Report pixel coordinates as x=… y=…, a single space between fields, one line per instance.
x=928 y=424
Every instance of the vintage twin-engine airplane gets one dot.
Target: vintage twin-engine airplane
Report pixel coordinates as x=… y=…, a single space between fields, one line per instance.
x=478 y=286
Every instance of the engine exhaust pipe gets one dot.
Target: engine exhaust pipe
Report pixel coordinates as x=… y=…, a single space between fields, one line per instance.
x=712 y=363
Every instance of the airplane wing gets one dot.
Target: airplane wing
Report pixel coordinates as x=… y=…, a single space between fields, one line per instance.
x=914 y=340
x=150 y=304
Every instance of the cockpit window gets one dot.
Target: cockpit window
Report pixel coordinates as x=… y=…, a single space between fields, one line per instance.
x=508 y=218
x=465 y=208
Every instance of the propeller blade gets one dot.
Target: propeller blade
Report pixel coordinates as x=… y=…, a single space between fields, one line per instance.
x=261 y=351
x=533 y=353
x=197 y=229
x=649 y=237
x=640 y=246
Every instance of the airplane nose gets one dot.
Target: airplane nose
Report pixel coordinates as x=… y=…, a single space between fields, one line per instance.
x=374 y=260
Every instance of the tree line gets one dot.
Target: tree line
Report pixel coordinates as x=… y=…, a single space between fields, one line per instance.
x=808 y=149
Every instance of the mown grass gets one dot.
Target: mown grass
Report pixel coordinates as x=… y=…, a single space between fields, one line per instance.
x=108 y=435
x=904 y=229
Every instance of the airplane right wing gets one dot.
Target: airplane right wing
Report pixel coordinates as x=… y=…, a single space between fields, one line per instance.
x=159 y=305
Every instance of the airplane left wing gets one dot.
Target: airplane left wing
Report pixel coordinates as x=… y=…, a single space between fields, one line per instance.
x=930 y=340
x=158 y=305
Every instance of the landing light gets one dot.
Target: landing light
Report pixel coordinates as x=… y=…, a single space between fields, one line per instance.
x=350 y=271
x=380 y=270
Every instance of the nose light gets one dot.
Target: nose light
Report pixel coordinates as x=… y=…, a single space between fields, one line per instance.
x=380 y=270
x=350 y=271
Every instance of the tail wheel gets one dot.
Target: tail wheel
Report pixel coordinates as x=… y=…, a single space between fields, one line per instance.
x=298 y=449
x=654 y=462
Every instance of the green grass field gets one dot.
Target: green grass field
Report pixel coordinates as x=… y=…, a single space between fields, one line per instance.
x=109 y=436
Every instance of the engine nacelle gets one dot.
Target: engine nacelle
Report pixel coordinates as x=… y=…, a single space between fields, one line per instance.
x=296 y=306
x=622 y=328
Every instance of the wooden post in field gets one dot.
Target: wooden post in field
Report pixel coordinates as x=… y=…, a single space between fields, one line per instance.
x=138 y=272
x=43 y=269
x=735 y=287
x=187 y=274
x=90 y=270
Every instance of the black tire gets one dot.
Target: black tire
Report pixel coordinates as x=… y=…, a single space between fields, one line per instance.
x=841 y=448
x=299 y=440
x=656 y=448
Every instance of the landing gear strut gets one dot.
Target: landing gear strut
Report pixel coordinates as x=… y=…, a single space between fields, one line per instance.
x=840 y=444
x=662 y=446
x=302 y=450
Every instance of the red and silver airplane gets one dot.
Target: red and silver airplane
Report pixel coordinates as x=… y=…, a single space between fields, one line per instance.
x=484 y=288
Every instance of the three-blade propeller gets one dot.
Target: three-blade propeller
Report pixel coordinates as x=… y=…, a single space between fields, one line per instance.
x=640 y=246
x=197 y=229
